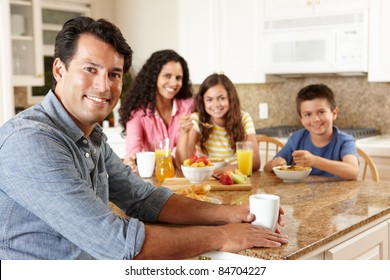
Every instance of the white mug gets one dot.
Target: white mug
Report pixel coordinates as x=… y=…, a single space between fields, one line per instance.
x=145 y=163
x=265 y=207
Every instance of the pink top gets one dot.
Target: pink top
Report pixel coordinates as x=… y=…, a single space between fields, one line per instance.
x=142 y=131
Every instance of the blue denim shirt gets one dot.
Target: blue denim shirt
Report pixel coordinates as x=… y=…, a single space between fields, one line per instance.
x=55 y=185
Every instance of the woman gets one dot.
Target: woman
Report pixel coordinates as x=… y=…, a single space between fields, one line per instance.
x=217 y=103
x=160 y=94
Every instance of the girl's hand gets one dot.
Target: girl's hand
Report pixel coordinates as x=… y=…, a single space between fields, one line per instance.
x=186 y=123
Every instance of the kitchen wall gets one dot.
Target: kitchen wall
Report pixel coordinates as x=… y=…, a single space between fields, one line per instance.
x=361 y=104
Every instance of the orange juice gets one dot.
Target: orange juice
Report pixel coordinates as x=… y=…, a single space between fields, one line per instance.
x=164 y=166
x=163 y=152
x=244 y=161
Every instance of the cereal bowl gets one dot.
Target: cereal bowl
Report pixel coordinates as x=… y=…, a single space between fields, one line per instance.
x=290 y=173
x=197 y=175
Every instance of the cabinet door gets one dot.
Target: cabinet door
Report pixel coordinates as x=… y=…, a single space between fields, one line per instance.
x=288 y=8
x=223 y=37
x=372 y=244
x=298 y=8
x=6 y=91
x=200 y=37
x=54 y=15
x=379 y=29
x=26 y=40
x=240 y=47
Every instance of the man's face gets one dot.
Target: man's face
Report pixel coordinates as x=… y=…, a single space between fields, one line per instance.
x=91 y=86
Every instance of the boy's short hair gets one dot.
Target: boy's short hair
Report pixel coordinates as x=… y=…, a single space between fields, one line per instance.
x=315 y=91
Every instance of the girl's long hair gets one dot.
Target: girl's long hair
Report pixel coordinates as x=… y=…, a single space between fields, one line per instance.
x=233 y=118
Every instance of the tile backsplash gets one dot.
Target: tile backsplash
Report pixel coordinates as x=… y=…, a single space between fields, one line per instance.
x=361 y=104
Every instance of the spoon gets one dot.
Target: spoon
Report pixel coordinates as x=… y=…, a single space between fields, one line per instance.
x=205 y=125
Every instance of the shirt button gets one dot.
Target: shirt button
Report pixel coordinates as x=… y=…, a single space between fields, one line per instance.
x=85 y=141
x=87 y=155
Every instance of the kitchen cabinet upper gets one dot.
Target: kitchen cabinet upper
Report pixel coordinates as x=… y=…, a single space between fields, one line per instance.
x=212 y=35
x=223 y=36
x=26 y=38
x=302 y=8
x=379 y=55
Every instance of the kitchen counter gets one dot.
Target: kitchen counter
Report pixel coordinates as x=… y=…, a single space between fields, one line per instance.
x=318 y=211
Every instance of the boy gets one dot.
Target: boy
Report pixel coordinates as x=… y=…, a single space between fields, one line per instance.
x=320 y=145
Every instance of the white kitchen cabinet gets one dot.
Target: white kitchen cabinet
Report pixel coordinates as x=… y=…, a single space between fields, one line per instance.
x=26 y=38
x=372 y=244
x=303 y=8
x=54 y=15
x=6 y=92
x=368 y=242
x=221 y=36
x=379 y=28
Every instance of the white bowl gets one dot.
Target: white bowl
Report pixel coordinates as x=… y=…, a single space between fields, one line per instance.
x=291 y=175
x=197 y=175
x=218 y=163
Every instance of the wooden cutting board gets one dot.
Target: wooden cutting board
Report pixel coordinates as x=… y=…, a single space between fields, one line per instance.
x=177 y=183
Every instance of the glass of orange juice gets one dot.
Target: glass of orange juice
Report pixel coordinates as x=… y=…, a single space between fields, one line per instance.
x=164 y=164
x=244 y=151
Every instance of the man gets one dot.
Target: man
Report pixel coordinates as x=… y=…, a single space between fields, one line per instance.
x=57 y=173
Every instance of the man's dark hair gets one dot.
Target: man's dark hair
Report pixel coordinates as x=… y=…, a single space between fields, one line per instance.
x=67 y=39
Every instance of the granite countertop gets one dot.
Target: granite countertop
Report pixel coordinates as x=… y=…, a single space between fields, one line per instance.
x=317 y=211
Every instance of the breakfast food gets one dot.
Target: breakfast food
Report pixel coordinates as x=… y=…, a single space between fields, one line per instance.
x=230 y=178
x=195 y=161
x=294 y=168
x=198 y=192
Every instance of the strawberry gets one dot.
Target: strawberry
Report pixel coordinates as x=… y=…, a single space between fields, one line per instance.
x=225 y=179
x=193 y=159
x=203 y=159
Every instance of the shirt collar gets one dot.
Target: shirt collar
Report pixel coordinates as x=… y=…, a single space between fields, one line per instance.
x=64 y=122
x=174 y=109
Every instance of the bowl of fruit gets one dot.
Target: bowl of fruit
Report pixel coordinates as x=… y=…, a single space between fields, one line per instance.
x=197 y=169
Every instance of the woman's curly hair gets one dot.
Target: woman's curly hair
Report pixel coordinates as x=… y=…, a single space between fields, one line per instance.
x=143 y=90
x=233 y=118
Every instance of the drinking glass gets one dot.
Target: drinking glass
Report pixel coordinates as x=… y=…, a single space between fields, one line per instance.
x=164 y=163
x=244 y=151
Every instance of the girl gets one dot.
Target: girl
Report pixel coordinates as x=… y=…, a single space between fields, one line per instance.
x=217 y=104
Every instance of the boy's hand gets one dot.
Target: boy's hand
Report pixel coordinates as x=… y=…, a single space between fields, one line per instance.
x=279 y=161
x=303 y=158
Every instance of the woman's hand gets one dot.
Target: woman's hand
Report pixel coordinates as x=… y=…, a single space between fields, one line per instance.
x=131 y=161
